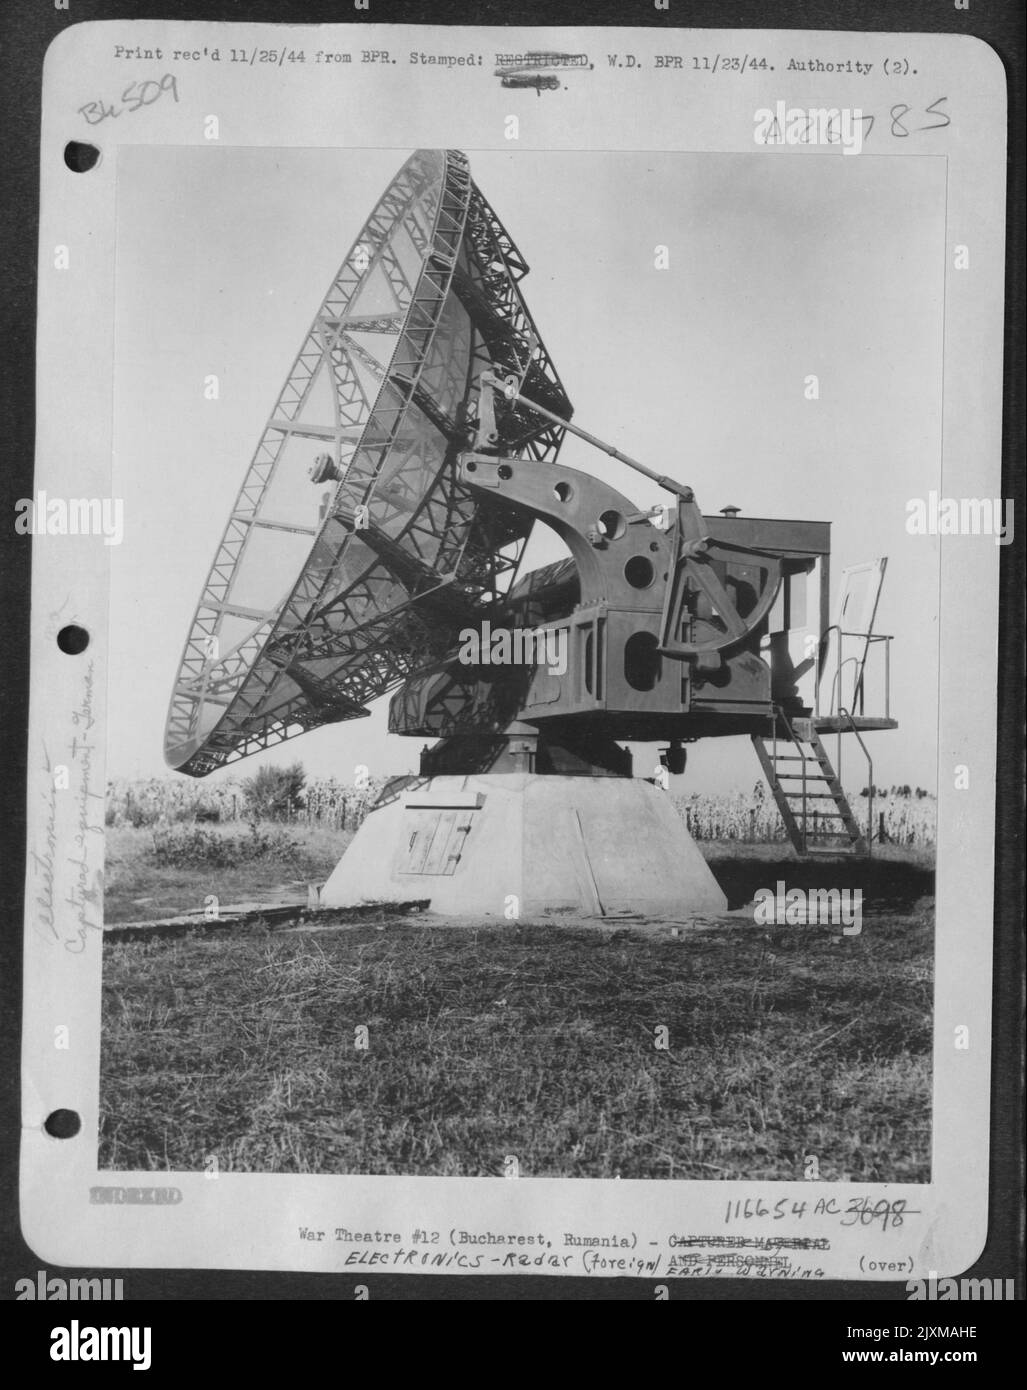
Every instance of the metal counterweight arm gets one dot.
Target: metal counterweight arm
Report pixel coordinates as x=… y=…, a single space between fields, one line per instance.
x=509 y=389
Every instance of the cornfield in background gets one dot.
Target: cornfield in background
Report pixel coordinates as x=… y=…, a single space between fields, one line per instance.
x=167 y=801
x=338 y=805
x=901 y=816
x=160 y=801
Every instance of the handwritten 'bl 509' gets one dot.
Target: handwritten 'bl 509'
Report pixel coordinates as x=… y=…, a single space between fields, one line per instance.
x=135 y=96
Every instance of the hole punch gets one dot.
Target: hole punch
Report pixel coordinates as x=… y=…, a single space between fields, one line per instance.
x=80 y=156
x=62 y=1124
x=73 y=639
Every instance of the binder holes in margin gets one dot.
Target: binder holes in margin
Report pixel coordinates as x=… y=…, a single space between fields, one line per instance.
x=62 y=1124
x=80 y=156
x=73 y=639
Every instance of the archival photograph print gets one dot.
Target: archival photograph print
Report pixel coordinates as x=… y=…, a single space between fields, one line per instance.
x=522 y=708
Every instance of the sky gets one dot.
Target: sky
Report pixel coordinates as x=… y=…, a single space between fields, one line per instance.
x=780 y=267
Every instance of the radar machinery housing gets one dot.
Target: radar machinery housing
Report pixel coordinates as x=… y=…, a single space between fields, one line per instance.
x=385 y=512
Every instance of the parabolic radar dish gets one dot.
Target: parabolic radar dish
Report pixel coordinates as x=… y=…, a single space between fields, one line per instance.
x=352 y=546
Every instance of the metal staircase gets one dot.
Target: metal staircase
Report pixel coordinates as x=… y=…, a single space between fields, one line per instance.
x=806 y=788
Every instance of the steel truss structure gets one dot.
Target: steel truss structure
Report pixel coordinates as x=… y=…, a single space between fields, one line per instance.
x=384 y=386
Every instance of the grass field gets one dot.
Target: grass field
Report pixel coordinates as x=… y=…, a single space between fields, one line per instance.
x=139 y=889
x=531 y=1040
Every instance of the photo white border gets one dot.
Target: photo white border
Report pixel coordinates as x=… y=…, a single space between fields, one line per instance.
x=238 y=1221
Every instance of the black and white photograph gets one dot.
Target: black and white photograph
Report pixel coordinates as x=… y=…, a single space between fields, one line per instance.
x=492 y=763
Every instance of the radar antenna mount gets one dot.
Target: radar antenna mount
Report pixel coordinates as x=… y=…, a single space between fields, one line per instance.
x=410 y=453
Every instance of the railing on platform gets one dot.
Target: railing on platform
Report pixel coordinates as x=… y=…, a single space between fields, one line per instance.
x=870 y=773
x=859 y=662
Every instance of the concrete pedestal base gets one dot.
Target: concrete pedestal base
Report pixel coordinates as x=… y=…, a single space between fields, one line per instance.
x=520 y=845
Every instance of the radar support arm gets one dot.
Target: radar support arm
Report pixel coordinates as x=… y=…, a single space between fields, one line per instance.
x=692 y=575
x=508 y=388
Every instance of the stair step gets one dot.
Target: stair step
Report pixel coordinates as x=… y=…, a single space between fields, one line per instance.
x=808 y=824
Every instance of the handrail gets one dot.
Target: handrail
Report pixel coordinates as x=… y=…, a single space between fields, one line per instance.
x=840 y=662
x=836 y=683
x=870 y=770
